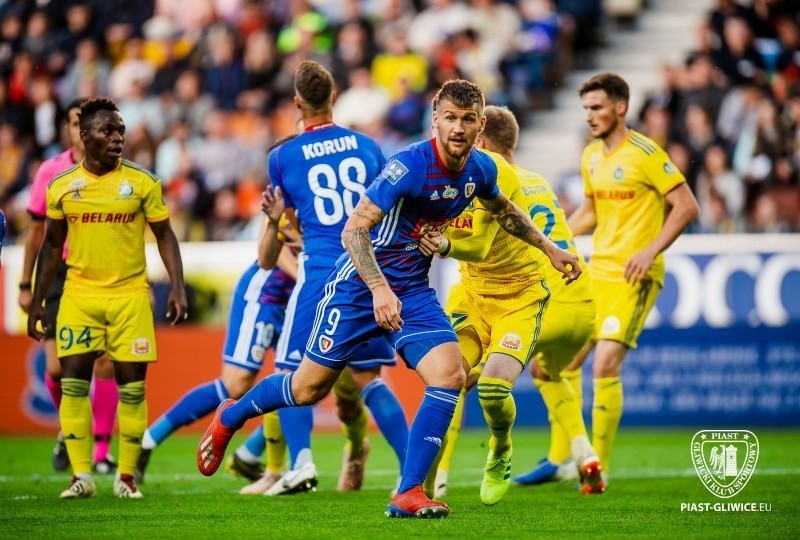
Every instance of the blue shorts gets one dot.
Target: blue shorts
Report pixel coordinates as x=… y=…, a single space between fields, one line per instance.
x=300 y=314
x=345 y=320
x=253 y=326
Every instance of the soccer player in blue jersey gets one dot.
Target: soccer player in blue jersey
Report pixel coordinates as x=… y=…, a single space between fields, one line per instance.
x=322 y=173
x=255 y=323
x=421 y=188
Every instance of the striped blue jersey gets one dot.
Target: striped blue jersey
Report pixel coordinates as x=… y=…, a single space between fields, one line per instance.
x=265 y=286
x=419 y=193
x=323 y=173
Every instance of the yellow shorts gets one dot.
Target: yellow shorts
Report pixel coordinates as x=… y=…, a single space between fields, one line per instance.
x=346 y=388
x=123 y=326
x=507 y=324
x=566 y=328
x=622 y=309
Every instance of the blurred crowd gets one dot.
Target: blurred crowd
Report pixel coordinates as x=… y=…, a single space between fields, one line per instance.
x=730 y=117
x=204 y=86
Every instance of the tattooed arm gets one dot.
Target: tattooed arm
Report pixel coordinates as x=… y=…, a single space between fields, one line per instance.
x=517 y=223
x=356 y=240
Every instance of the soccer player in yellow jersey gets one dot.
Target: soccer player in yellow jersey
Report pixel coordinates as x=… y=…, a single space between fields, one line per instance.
x=639 y=203
x=501 y=283
x=103 y=203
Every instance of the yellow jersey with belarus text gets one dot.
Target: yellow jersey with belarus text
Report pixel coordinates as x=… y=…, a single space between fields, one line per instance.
x=105 y=224
x=628 y=185
x=511 y=265
x=542 y=205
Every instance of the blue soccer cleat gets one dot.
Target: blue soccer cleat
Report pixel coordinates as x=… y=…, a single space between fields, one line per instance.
x=544 y=472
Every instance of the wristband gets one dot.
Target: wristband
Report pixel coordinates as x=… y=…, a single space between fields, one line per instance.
x=25 y=286
x=444 y=247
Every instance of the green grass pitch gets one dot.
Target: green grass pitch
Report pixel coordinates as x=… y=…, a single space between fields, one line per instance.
x=652 y=476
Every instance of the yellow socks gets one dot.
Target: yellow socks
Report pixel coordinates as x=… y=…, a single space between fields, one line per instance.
x=499 y=410
x=559 y=440
x=355 y=429
x=132 y=418
x=276 y=444
x=606 y=414
x=452 y=433
x=75 y=414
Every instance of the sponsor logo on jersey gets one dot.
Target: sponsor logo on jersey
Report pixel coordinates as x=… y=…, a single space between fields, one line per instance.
x=394 y=171
x=72 y=218
x=511 y=341
x=461 y=222
x=101 y=217
x=615 y=194
x=411 y=246
x=669 y=168
x=435 y=196
x=140 y=346
x=325 y=343
x=449 y=192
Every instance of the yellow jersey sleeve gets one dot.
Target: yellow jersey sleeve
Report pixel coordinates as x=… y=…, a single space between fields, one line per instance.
x=155 y=209
x=54 y=208
x=662 y=173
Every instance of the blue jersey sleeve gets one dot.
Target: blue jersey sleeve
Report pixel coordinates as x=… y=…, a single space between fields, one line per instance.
x=488 y=189
x=276 y=176
x=401 y=177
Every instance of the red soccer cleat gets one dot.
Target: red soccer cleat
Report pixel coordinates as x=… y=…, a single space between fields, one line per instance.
x=591 y=477
x=214 y=441
x=414 y=503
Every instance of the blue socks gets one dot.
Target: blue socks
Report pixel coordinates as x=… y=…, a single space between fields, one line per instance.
x=426 y=435
x=256 y=443
x=297 y=424
x=196 y=403
x=388 y=414
x=273 y=392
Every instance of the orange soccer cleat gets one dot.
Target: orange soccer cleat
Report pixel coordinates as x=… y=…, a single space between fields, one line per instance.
x=414 y=503
x=591 y=477
x=214 y=441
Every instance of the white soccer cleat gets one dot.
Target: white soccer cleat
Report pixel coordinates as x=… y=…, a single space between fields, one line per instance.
x=567 y=472
x=82 y=487
x=440 y=490
x=262 y=485
x=296 y=481
x=125 y=487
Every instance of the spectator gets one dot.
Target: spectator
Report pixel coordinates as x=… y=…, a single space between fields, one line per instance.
x=720 y=193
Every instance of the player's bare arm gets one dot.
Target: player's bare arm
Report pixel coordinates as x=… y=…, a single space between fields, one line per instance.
x=287 y=261
x=584 y=219
x=170 y=252
x=33 y=240
x=517 y=223
x=683 y=209
x=269 y=244
x=46 y=267
x=356 y=240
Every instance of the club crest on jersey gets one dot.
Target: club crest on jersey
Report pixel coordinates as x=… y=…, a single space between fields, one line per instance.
x=394 y=171
x=449 y=192
x=325 y=343
x=618 y=174
x=469 y=188
x=126 y=189
x=435 y=196
x=511 y=341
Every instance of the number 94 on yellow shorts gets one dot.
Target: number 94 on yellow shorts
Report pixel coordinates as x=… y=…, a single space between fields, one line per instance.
x=122 y=325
